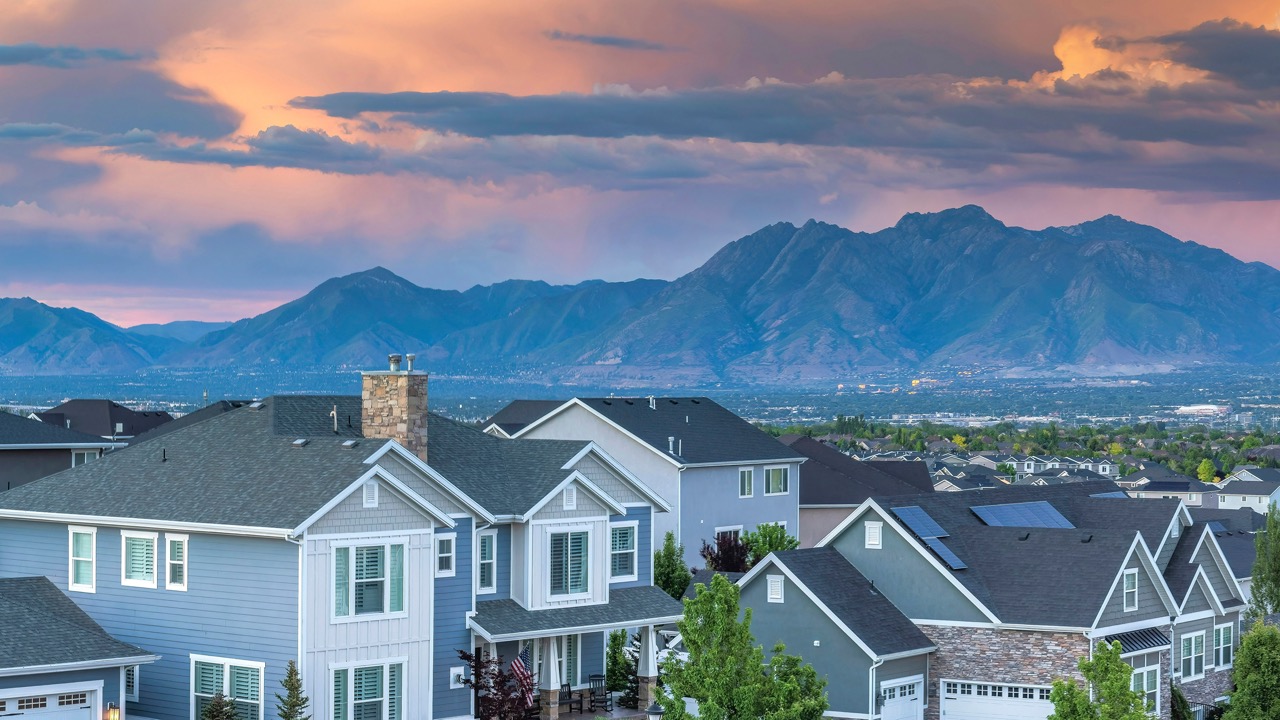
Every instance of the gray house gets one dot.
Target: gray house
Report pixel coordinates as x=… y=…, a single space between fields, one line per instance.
x=30 y=449
x=813 y=601
x=718 y=472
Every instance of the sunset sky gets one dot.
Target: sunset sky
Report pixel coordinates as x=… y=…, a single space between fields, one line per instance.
x=208 y=160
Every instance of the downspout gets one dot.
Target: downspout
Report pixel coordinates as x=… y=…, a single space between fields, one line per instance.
x=302 y=624
x=871 y=688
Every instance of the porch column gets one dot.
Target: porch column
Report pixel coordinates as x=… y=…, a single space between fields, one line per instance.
x=647 y=665
x=549 y=680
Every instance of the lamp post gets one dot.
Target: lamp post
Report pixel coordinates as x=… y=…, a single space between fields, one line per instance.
x=654 y=711
x=113 y=711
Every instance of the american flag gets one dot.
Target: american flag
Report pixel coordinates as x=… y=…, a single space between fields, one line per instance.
x=520 y=668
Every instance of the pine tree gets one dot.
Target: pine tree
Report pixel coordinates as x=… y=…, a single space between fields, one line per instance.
x=616 y=661
x=630 y=697
x=219 y=708
x=669 y=570
x=293 y=704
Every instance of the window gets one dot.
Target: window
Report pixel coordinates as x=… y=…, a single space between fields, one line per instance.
x=874 y=528
x=1222 y=646
x=569 y=563
x=487 y=574
x=239 y=681
x=371 y=494
x=776 y=481
x=33 y=703
x=131 y=683
x=733 y=531
x=1130 y=590
x=373 y=692
x=1147 y=682
x=80 y=457
x=567 y=647
x=622 y=552
x=368 y=580
x=83 y=545
x=746 y=482
x=444 y=556
x=73 y=699
x=1192 y=656
x=138 y=559
x=175 y=562
x=775 y=588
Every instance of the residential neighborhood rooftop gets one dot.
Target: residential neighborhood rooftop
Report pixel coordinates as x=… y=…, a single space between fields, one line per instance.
x=42 y=627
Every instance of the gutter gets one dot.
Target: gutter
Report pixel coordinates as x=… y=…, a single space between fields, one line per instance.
x=871 y=688
x=105 y=445
x=85 y=665
x=99 y=521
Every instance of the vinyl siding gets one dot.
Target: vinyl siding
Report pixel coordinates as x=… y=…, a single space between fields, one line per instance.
x=586 y=506
x=710 y=497
x=520 y=563
x=900 y=571
x=1190 y=628
x=1211 y=570
x=504 y=567
x=644 y=547
x=608 y=481
x=1197 y=601
x=241 y=603
x=393 y=514
x=1150 y=606
x=453 y=602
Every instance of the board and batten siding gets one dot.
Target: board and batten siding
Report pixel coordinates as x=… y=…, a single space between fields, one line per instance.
x=453 y=596
x=597 y=562
x=1150 y=606
x=643 y=517
x=710 y=497
x=241 y=602
x=393 y=514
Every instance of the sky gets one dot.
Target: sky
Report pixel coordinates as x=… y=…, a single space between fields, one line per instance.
x=202 y=160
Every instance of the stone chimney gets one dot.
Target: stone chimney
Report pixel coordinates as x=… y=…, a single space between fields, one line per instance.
x=393 y=404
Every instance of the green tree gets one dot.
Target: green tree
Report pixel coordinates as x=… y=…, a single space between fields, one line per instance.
x=1113 y=696
x=219 y=708
x=1180 y=709
x=1206 y=471
x=1257 y=676
x=1007 y=469
x=617 y=664
x=669 y=571
x=630 y=697
x=1266 y=567
x=766 y=539
x=293 y=704
x=726 y=671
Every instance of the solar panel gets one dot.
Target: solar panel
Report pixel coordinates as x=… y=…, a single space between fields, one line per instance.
x=1112 y=494
x=1216 y=527
x=1038 y=514
x=919 y=521
x=944 y=552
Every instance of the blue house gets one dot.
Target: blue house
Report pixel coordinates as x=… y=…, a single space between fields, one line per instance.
x=719 y=473
x=363 y=537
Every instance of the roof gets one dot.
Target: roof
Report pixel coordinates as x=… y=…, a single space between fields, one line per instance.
x=499 y=620
x=1179 y=485
x=519 y=413
x=1230 y=518
x=915 y=474
x=100 y=417
x=832 y=478
x=703 y=576
x=1250 y=487
x=1181 y=570
x=23 y=431
x=1240 y=550
x=703 y=431
x=44 y=627
x=854 y=601
x=191 y=418
x=1139 y=640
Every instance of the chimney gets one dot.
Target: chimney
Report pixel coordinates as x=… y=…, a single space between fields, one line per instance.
x=393 y=404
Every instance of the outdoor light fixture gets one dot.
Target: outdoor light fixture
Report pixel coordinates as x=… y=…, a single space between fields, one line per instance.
x=113 y=712
x=654 y=711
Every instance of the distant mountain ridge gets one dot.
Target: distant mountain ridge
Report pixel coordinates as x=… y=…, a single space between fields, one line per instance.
x=956 y=288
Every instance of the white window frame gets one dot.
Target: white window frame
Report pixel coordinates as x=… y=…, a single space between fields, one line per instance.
x=786 y=474
x=480 y=537
x=750 y=477
x=1217 y=649
x=88 y=456
x=168 y=561
x=136 y=671
x=406 y=570
x=775 y=582
x=369 y=494
x=386 y=664
x=635 y=551
x=1142 y=673
x=728 y=529
x=589 y=565
x=226 y=663
x=452 y=555
x=92 y=532
x=1184 y=658
x=1131 y=573
x=874 y=540
x=125 y=536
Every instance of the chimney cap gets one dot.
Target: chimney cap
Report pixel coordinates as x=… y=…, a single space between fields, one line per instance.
x=393 y=362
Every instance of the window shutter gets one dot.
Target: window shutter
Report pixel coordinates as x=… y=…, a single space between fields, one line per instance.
x=368 y=685
x=340 y=694
x=578 y=562
x=208 y=678
x=397 y=578
x=341 y=582
x=244 y=683
x=140 y=558
x=395 y=692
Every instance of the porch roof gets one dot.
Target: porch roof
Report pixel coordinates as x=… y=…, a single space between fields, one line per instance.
x=503 y=620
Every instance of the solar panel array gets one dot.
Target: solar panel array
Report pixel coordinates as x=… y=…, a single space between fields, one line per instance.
x=1112 y=494
x=928 y=530
x=1038 y=514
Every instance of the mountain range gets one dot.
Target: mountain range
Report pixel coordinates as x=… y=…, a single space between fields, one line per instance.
x=956 y=288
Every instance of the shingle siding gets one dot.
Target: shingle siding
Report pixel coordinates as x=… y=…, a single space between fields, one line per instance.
x=393 y=514
x=606 y=480
x=585 y=507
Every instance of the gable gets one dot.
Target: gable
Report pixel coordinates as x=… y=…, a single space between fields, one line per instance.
x=1150 y=605
x=576 y=422
x=1213 y=572
x=607 y=480
x=424 y=486
x=1197 y=599
x=392 y=514
x=586 y=505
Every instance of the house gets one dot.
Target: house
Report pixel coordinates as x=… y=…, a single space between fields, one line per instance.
x=1187 y=489
x=876 y=661
x=30 y=449
x=211 y=410
x=981 y=576
x=834 y=484
x=365 y=537
x=55 y=661
x=104 y=418
x=719 y=473
x=1237 y=491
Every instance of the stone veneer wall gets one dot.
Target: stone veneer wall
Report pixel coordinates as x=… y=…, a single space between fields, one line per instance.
x=1214 y=684
x=394 y=405
x=1011 y=656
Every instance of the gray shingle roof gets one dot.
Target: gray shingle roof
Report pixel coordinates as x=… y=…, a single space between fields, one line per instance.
x=832 y=478
x=44 y=627
x=1240 y=550
x=100 y=417
x=1181 y=570
x=1249 y=487
x=854 y=600
x=515 y=416
x=191 y=418
x=628 y=607
x=18 y=430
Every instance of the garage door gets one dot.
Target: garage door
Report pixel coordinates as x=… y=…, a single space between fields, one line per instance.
x=41 y=706
x=992 y=701
x=903 y=699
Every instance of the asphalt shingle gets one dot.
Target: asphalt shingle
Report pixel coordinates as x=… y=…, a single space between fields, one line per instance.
x=628 y=607
x=18 y=430
x=44 y=627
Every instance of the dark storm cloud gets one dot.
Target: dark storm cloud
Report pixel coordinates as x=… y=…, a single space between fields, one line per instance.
x=61 y=56
x=1245 y=55
x=608 y=41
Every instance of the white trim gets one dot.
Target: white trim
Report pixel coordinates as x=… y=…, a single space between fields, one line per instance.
x=575 y=401
x=168 y=560
x=878 y=543
x=569 y=497
x=606 y=499
x=1202 y=579
x=452 y=555
x=588 y=564
x=1218 y=559
x=369 y=496
x=575 y=630
x=405 y=574
x=385 y=664
x=1181 y=512
x=68 y=667
x=1130 y=572
x=377 y=471
x=786 y=475
x=727 y=529
x=116 y=522
x=613 y=465
x=226 y=663
x=124 y=682
x=92 y=532
x=480 y=534
x=751 y=471
x=125 y=536
x=1157 y=579
x=635 y=551
x=1204 y=666
x=1231 y=626
x=775 y=581
x=64 y=446
x=94 y=687
x=416 y=462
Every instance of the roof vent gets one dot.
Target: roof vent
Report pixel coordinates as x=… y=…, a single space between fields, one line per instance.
x=1024 y=537
x=256 y=405
x=671 y=444
x=608 y=402
x=628 y=402
x=393 y=362
x=695 y=402
x=653 y=403
x=409 y=358
x=301 y=442
x=673 y=402
x=1086 y=538
x=350 y=443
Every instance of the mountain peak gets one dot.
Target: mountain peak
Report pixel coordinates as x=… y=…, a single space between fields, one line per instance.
x=964 y=215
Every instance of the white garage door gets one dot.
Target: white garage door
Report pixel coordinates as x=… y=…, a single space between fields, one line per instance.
x=39 y=705
x=991 y=701
x=903 y=699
